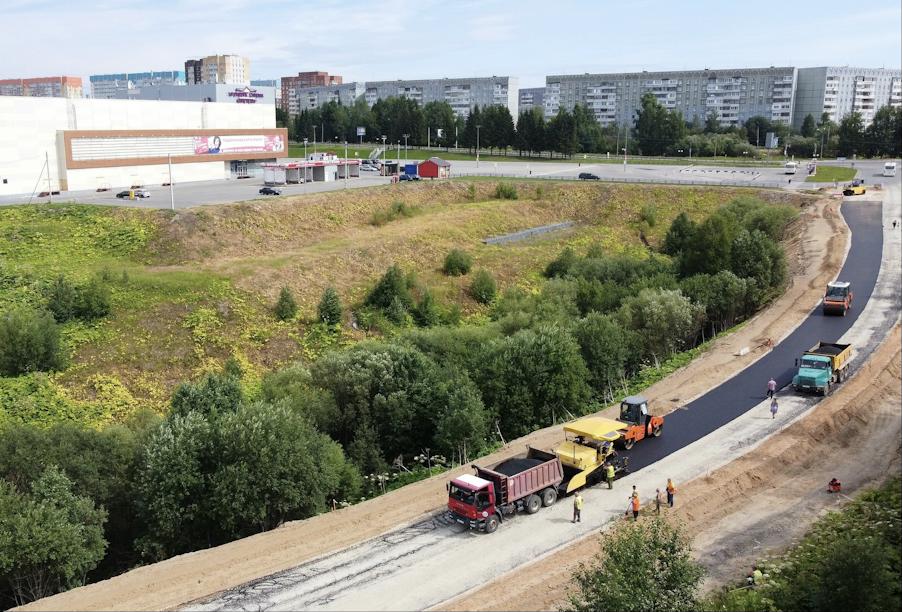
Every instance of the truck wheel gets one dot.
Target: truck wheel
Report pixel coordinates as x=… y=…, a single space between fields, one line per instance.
x=839 y=376
x=491 y=524
x=827 y=389
x=656 y=432
x=628 y=443
x=533 y=503
x=549 y=496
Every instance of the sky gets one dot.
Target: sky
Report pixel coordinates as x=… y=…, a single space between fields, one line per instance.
x=414 y=39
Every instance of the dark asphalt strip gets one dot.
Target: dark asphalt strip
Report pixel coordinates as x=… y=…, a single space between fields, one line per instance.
x=747 y=389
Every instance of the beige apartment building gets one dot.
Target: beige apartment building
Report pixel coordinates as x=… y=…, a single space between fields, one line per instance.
x=218 y=70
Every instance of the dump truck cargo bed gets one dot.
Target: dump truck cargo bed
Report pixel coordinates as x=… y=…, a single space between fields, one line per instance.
x=521 y=476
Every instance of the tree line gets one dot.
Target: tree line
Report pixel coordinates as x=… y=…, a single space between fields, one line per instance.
x=655 y=130
x=225 y=463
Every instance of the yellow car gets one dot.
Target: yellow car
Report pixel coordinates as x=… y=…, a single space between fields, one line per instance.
x=851 y=191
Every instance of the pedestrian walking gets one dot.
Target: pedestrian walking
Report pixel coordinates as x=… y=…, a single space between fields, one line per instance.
x=609 y=475
x=773 y=408
x=894 y=224
x=657 y=501
x=577 y=507
x=670 y=491
x=771 y=387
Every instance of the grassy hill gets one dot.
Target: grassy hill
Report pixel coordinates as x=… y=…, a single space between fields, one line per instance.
x=193 y=288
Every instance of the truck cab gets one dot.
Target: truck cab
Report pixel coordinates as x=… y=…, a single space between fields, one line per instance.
x=822 y=366
x=471 y=501
x=634 y=412
x=837 y=298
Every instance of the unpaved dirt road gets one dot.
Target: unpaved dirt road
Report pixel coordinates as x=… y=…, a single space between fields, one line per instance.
x=195 y=575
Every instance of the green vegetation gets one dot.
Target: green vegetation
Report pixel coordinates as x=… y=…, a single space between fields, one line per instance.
x=644 y=566
x=398 y=210
x=483 y=287
x=827 y=174
x=457 y=263
x=505 y=191
x=329 y=308
x=29 y=342
x=849 y=560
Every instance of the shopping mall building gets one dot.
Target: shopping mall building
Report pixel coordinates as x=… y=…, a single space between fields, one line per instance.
x=110 y=144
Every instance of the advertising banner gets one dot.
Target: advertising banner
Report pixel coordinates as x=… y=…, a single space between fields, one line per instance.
x=232 y=144
x=361 y=131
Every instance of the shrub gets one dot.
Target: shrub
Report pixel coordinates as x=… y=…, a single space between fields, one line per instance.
x=286 y=308
x=649 y=214
x=457 y=263
x=93 y=300
x=426 y=314
x=471 y=192
x=396 y=211
x=62 y=299
x=66 y=301
x=29 y=342
x=505 y=191
x=214 y=394
x=329 y=308
x=483 y=287
x=562 y=265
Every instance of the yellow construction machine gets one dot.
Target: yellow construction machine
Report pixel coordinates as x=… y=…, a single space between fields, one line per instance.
x=587 y=447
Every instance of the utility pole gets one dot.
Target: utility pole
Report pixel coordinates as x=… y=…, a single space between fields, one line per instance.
x=314 y=140
x=757 y=139
x=171 y=194
x=626 y=148
x=428 y=135
x=406 y=136
x=346 y=164
x=49 y=187
x=477 y=145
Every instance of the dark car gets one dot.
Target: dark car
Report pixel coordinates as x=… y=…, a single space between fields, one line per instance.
x=270 y=191
x=408 y=177
x=123 y=194
x=588 y=176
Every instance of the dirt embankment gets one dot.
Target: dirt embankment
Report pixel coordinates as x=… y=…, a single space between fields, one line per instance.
x=818 y=253
x=759 y=503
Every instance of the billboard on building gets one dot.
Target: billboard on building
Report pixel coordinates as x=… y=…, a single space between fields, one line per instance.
x=250 y=143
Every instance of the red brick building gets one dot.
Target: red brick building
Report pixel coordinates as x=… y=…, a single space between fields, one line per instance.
x=47 y=87
x=290 y=84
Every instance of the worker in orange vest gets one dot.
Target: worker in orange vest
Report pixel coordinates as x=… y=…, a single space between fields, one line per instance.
x=634 y=506
x=670 y=491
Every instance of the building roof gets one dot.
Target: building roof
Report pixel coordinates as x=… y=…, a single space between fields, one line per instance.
x=438 y=162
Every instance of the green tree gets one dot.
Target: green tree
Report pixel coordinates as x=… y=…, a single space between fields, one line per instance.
x=62 y=299
x=50 y=538
x=657 y=129
x=646 y=566
x=560 y=134
x=712 y=123
x=680 y=234
x=756 y=256
x=286 y=308
x=531 y=131
x=483 y=287
x=94 y=300
x=392 y=286
x=851 y=135
x=808 y=126
x=885 y=132
x=665 y=320
x=756 y=129
x=426 y=313
x=329 y=308
x=607 y=349
x=29 y=342
x=562 y=265
x=709 y=249
x=462 y=422
x=533 y=379
x=440 y=118
x=294 y=386
x=215 y=393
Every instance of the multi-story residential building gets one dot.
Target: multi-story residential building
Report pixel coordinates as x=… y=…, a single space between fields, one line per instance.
x=461 y=94
x=840 y=91
x=45 y=87
x=530 y=98
x=289 y=98
x=113 y=85
x=733 y=95
x=218 y=70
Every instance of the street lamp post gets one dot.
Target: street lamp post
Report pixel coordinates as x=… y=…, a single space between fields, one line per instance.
x=171 y=194
x=477 y=145
x=406 y=136
x=346 y=164
x=385 y=159
x=314 y=140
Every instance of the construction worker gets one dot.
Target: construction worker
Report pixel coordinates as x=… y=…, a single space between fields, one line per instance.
x=577 y=507
x=609 y=475
x=644 y=410
x=657 y=501
x=634 y=506
x=670 y=491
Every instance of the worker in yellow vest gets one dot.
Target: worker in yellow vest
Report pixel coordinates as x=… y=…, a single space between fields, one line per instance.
x=609 y=475
x=577 y=507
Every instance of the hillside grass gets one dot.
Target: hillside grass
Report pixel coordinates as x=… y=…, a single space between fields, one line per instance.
x=828 y=174
x=191 y=289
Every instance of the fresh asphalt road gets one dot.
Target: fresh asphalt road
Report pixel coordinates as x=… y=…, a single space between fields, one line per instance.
x=747 y=389
x=393 y=570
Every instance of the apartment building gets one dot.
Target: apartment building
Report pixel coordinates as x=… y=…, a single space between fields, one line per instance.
x=218 y=70
x=530 y=98
x=43 y=87
x=115 y=85
x=289 y=96
x=733 y=95
x=840 y=91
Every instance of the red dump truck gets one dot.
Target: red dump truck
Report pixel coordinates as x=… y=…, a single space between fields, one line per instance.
x=527 y=483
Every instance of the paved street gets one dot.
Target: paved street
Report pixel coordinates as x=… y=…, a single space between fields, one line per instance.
x=203 y=193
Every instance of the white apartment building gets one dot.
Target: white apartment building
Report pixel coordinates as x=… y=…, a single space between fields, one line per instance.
x=461 y=94
x=733 y=95
x=121 y=84
x=218 y=70
x=840 y=91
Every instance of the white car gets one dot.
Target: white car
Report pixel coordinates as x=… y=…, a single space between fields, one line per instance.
x=368 y=168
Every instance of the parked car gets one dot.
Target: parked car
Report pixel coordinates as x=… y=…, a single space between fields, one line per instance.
x=124 y=194
x=142 y=193
x=368 y=168
x=270 y=191
x=588 y=176
x=408 y=177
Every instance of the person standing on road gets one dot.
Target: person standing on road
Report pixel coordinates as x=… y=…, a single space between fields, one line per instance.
x=577 y=507
x=773 y=408
x=771 y=387
x=670 y=491
x=609 y=475
x=657 y=501
x=634 y=506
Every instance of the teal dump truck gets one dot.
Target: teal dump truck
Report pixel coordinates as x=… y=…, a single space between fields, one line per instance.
x=822 y=367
